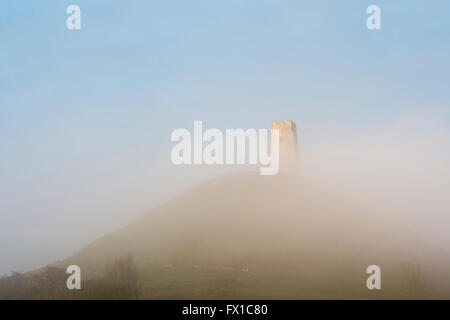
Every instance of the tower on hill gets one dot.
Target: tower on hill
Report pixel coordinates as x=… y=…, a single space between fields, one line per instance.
x=288 y=142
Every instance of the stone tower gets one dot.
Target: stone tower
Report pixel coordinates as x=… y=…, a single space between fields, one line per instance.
x=288 y=141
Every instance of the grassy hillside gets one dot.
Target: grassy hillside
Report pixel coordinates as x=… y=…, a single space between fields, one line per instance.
x=249 y=236
x=257 y=237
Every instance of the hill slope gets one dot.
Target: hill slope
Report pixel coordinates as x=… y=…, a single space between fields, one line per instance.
x=251 y=236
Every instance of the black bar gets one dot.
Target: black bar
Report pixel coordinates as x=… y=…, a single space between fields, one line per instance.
x=229 y=309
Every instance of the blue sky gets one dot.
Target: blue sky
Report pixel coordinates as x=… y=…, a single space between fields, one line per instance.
x=75 y=104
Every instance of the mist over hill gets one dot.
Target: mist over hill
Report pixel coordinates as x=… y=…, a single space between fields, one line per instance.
x=287 y=234
x=378 y=197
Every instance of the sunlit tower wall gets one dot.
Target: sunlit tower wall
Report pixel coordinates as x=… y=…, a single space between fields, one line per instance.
x=288 y=143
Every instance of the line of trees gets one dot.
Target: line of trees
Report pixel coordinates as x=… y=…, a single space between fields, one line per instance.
x=119 y=281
